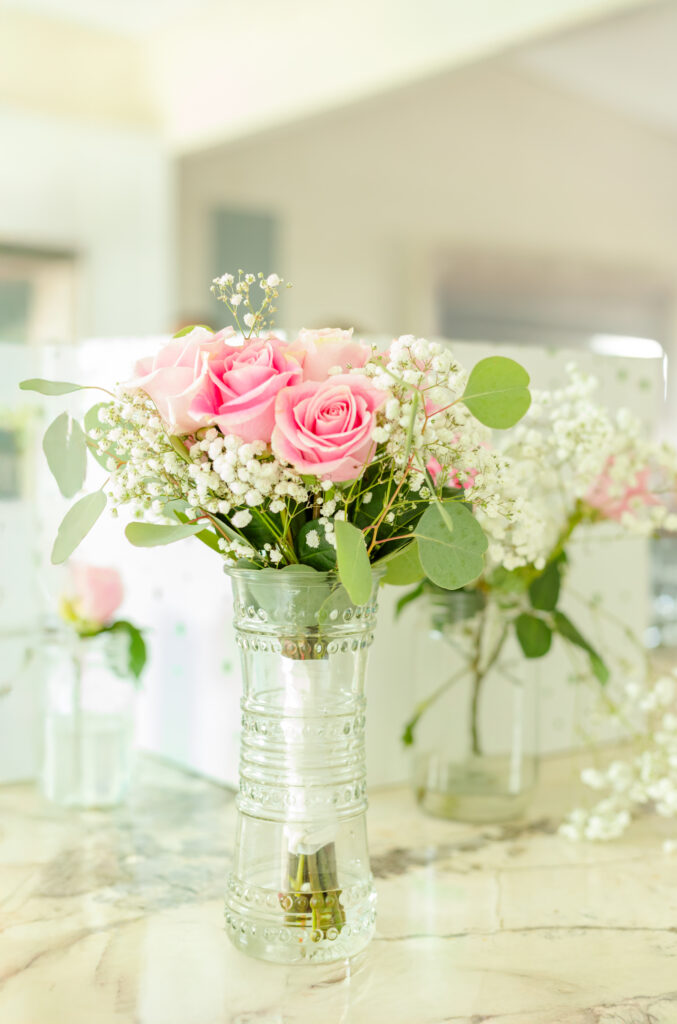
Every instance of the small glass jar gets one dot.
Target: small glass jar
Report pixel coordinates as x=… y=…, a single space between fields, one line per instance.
x=89 y=720
x=475 y=734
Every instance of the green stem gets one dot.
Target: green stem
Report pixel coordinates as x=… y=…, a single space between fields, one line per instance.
x=479 y=675
x=422 y=707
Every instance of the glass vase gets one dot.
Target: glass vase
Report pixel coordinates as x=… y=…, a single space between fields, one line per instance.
x=301 y=889
x=89 y=721
x=475 y=734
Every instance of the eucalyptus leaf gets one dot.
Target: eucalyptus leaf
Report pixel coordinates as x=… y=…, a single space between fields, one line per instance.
x=179 y=447
x=451 y=544
x=207 y=537
x=409 y=597
x=65 y=447
x=323 y=555
x=566 y=629
x=50 y=387
x=137 y=646
x=262 y=529
x=544 y=590
x=76 y=524
x=151 y=535
x=534 y=635
x=403 y=566
x=352 y=561
x=497 y=392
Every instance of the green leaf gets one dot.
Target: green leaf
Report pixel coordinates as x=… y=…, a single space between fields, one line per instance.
x=263 y=529
x=566 y=629
x=65 y=447
x=322 y=557
x=451 y=545
x=76 y=524
x=544 y=590
x=150 y=535
x=407 y=736
x=403 y=566
x=408 y=598
x=353 y=561
x=206 y=536
x=497 y=392
x=179 y=447
x=191 y=327
x=50 y=387
x=137 y=646
x=534 y=635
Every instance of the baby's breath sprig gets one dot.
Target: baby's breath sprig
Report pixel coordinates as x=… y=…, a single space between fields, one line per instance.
x=250 y=319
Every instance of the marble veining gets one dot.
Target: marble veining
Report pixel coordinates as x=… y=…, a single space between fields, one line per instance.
x=117 y=918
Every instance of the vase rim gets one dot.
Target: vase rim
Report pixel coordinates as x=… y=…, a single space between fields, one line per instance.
x=304 y=574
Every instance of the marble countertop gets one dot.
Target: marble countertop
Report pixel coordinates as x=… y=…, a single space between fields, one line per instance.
x=118 y=918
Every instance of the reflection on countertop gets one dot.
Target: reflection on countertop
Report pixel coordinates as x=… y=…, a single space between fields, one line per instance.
x=117 y=918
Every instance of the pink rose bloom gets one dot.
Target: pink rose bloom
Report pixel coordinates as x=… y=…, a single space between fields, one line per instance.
x=95 y=593
x=177 y=373
x=330 y=347
x=324 y=428
x=242 y=385
x=612 y=505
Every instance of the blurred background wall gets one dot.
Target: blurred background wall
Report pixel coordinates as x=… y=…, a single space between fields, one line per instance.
x=495 y=174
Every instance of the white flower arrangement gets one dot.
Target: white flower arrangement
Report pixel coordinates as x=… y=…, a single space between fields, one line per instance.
x=314 y=452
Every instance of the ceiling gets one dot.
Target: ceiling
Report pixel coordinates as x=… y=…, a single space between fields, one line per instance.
x=135 y=18
x=628 y=62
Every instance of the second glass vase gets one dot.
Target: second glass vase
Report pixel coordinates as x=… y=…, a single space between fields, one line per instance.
x=475 y=753
x=89 y=721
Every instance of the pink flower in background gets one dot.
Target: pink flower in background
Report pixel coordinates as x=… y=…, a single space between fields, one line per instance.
x=242 y=383
x=330 y=347
x=176 y=374
x=435 y=468
x=605 y=497
x=94 y=593
x=324 y=428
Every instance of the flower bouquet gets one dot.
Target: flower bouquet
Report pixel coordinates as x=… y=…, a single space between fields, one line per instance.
x=95 y=662
x=575 y=467
x=303 y=464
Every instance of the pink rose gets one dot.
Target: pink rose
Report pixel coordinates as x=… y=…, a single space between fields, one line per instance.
x=330 y=347
x=324 y=428
x=604 y=496
x=174 y=376
x=94 y=593
x=242 y=385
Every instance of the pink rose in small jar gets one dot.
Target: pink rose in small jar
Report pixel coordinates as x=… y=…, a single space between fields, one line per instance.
x=612 y=499
x=324 y=428
x=93 y=595
x=328 y=348
x=177 y=373
x=242 y=384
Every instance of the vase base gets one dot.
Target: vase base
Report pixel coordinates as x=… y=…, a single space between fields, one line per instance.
x=258 y=932
x=479 y=791
x=295 y=945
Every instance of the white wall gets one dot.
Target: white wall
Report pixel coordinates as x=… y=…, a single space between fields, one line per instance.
x=482 y=160
x=105 y=193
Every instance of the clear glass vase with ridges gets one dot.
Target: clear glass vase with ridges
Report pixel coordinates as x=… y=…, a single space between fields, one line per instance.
x=301 y=888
